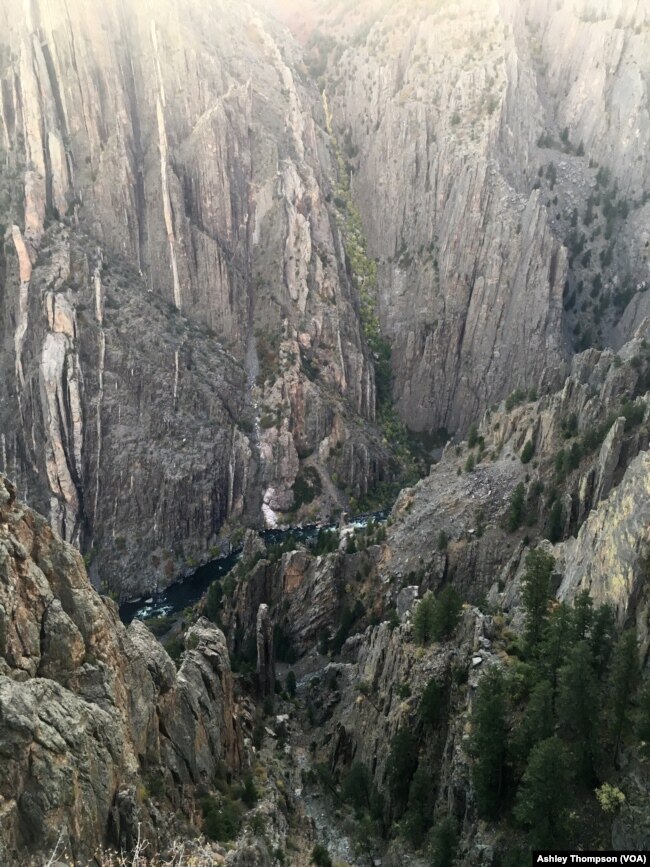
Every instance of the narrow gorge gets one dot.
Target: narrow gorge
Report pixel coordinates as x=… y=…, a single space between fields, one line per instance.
x=324 y=431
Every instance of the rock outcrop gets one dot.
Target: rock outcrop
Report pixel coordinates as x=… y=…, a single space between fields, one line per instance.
x=497 y=175
x=89 y=709
x=265 y=654
x=610 y=557
x=177 y=316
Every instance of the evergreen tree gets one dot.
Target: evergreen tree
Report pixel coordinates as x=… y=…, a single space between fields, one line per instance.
x=424 y=619
x=544 y=797
x=357 y=787
x=536 y=724
x=431 y=703
x=488 y=744
x=419 y=815
x=365 y=839
x=601 y=640
x=623 y=681
x=401 y=766
x=249 y=792
x=516 y=510
x=643 y=720
x=320 y=856
x=583 y=615
x=443 y=843
x=558 y=637
x=446 y=613
x=528 y=452
x=536 y=594
x=578 y=707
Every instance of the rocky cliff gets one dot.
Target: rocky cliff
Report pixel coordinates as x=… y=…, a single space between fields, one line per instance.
x=185 y=169
x=177 y=315
x=497 y=157
x=88 y=709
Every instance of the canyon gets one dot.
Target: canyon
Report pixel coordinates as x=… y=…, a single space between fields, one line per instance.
x=269 y=265
x=211 y=224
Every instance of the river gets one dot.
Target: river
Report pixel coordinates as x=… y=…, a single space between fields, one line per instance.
x=188 y=591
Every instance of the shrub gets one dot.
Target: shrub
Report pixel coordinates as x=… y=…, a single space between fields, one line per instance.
x=610 y=798
x=307 y=487
x=249 y=792
x=320 y=856
x=221 y=821
x=528 y=452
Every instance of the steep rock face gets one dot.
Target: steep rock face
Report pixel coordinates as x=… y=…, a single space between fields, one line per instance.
x=304 y=593
x=610 y=556
x=455 y=525
x=469 y=129
x=369 y=707
x=124 y=431
x=86 y=707
x=189 y=148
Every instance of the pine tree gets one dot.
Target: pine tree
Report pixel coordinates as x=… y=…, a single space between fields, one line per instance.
x=431 y=703
x=578 y=707
x=320 y=856
x=583 y=615
x=544 y=797
x=444 y=841
x=515 y=516
x=419 y=815
x=528 y=452
x=601 y=640
x=446 y=613
x=537 y=723
x=623 y=681
x=401 y=766
x=423 y=619
x=536 y=594
x=488 y=744
x=557 y=641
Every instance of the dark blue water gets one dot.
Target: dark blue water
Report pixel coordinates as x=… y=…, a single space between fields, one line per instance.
x=187 y=591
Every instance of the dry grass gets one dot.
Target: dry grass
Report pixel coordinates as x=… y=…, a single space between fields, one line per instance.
x=179 y=854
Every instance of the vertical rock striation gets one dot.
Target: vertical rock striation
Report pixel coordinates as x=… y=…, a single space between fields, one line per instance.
x=178 y=155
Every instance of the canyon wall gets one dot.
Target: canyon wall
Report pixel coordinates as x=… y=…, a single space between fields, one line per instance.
x=177 y=318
